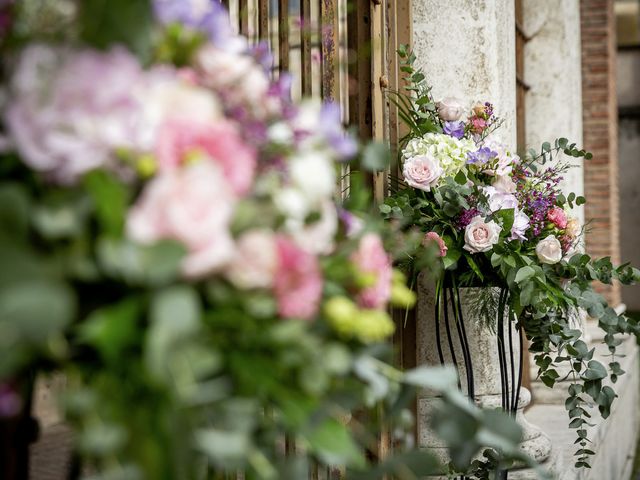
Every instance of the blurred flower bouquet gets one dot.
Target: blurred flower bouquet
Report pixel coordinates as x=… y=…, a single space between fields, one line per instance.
x=171 y=240
x=498 y=220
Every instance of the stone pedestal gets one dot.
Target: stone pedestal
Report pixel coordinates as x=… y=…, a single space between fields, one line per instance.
x=483 y=347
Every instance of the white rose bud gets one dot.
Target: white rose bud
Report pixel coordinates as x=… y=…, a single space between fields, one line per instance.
x=549 y=250
x=481 y=236
x=422 y=172
x=450 y=109
x=573 y=228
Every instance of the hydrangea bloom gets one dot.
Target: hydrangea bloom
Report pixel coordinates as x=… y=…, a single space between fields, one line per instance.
x=449 y=152
x=62 y=124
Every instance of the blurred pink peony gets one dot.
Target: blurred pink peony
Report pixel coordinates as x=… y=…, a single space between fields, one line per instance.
x=371 y=258
x=430 y=237
x=69 y=110
x=558 y=217
x=194 y=206
x=298 y=281
x=181 y=141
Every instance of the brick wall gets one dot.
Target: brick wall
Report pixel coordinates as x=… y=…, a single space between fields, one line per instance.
x=600 y=124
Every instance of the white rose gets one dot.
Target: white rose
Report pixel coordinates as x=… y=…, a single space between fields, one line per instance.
x=549 y=250
x=480 y=236
x=450 y=109
x=314 y=175
x=318 y=237
x=505 y=184
x=421 y=172
x=255 y=261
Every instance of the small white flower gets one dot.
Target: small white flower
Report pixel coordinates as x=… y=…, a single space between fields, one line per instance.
x=481 y=236
x=549 y=250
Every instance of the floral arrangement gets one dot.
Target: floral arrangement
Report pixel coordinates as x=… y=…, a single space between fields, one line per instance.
x=496 y=219
x=172 y=242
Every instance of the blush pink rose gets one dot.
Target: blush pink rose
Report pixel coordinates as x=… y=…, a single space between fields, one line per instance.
x=434 y=237
x=422 y=172
x=372 y=259
x=298 y=281
x=558 y=217
x=182 y=140
x=194 y=206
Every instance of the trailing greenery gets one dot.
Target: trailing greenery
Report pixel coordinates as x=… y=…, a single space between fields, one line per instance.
x=548 y=296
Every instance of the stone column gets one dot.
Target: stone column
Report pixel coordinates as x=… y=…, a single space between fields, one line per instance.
x=467 y=50
x=553 y=71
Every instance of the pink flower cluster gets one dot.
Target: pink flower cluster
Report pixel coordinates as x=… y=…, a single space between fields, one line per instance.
x=372 y=259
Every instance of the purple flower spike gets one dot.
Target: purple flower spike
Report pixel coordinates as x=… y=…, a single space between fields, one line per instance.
x=482 y=156
x=454 y=129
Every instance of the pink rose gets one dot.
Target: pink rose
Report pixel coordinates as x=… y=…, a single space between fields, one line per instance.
x=557 y=216
x=434 y=237
x=422 y=172
x=298 y=281
x=194 y=206
x=478 y=124
x=180 y=141
x=371 y=258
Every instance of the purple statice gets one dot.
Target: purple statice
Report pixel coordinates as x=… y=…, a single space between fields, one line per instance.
x=454 y=129
x=537 y=193
x=488 y=109
x=481 y=156
x=208 y=16
x=466 y=216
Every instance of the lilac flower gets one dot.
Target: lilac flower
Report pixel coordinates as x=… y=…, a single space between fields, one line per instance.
x=262 y=55
x=521 y=224
x=454 y=129
x=207 y=16
x=330 y=126
x=481 y=156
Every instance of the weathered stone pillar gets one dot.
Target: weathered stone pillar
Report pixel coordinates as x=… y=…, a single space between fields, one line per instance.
x=467 y=50
x=553 y=72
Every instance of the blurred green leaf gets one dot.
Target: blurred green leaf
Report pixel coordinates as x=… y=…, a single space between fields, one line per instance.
x=332 y=442
x=14 y=211
x=175 y=316
x=375 y=157
x=105 y=23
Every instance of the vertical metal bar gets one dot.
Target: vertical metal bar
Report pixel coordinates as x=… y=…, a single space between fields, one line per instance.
x=329 y=48
x=305 y=46
x=263 y=20
x=283 y=34
x=243 y=17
